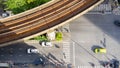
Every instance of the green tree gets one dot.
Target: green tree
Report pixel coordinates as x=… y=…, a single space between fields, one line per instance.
x=1 y=4
x=11 y=4
x=30 y=1
x=59 y=36
x=40 y=38
x=17 y=6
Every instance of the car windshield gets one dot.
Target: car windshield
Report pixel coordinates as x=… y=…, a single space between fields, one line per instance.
x=41 y=59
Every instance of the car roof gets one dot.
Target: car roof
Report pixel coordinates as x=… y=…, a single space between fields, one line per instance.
x=102 y=50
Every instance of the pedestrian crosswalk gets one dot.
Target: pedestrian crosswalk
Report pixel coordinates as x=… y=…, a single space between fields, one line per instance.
x=102 y=8
x=68 y=56
x=105 y=9
x=66 y=52
x=83 y=66
x=116 y=11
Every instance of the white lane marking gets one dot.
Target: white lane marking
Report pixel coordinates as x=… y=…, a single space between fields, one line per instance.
x=74 y=53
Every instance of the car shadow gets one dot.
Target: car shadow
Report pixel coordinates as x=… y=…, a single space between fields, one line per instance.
x=95 y=46
x=103 y=62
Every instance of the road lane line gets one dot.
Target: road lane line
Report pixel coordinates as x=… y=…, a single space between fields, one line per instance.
x=74 y=54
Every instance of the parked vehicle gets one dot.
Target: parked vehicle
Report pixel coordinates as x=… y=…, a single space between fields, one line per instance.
x=5 y=14
x=5 y=65
x=46 y=44
x=117 y=23
x=100 y=50
x=32 y=50
x=40 y=60
x=116 y=63
x=112 y=64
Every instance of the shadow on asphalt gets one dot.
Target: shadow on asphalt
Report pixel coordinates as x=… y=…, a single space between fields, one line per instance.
x=103 y=62
x=52 y=57
x=17 y=54
x=95 y=46
x=105 y=23
x=92 y=64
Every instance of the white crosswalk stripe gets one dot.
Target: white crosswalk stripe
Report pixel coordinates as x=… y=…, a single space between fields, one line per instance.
x=66 y=51
x=102 y=8
x=116 y=11
x=83 y=66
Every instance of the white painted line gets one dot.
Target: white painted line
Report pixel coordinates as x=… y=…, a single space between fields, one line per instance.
x=74 y=54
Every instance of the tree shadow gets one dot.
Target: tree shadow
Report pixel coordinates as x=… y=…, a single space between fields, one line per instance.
x=54 y=59
x=20 y=57
x=92 y=64
x=106 y=24
x=114 y=56
x=103 y=63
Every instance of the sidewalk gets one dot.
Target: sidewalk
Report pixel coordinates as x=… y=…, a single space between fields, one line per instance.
x=61 y=55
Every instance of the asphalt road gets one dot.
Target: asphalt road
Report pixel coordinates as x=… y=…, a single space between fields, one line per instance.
x=17 y=53
x=89 y=31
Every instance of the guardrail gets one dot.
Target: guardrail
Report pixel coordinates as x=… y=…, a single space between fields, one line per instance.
x=43 y=20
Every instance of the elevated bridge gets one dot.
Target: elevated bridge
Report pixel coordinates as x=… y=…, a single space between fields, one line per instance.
x=41 y=19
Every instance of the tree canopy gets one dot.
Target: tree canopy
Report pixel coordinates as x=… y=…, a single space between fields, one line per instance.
x=17 y=6
x=1 y=4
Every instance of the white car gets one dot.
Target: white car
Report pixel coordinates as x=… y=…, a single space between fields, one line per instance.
x=32 y=50
x=46 y=44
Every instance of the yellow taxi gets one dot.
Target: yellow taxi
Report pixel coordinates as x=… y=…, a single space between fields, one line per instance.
x=100 y=50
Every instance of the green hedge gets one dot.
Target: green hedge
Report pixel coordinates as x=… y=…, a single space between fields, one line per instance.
x=59 y=36
x=18 y=6
x=40 y=38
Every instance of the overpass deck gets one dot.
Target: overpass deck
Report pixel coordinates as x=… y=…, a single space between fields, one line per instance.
x=52 y=16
